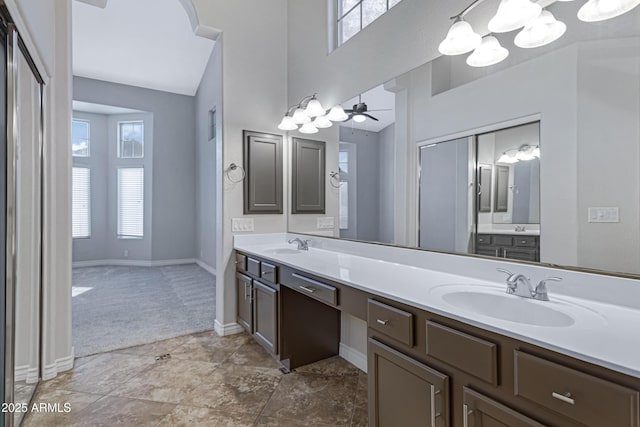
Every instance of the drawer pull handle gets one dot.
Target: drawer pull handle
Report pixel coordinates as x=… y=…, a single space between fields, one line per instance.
x=434 y=414
x=465 y=415
x=564 y=397
x=383 y=322
x=267 y=273
x=310 y=290
x=523 y=241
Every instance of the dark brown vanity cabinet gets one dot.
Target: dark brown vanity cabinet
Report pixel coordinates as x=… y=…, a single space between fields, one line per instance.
x=257 y=300
x=481 y=411
x=513 y=246
x=403 y=391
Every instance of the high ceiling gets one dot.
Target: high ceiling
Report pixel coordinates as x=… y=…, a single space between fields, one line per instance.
x=376 y=99
x=145 y=43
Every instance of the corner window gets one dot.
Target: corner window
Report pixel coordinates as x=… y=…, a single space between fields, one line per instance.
x=354 y=15
x=80 y=138
x=130 y=203
x=80 y=203
x=131 y=140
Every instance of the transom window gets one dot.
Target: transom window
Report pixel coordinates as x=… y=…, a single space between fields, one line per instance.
x=80 y=138
x=130 y=140
x=354 y=15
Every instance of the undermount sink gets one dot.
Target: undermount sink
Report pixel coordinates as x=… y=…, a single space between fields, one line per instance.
x=283 y=251
x=508 y=307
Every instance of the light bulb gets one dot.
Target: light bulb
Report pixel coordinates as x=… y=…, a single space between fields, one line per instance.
x=314 y=108
x=300 y=117
x=322 y=122
x=337 y=114
x=536 y=151
x=359 y=118
x=287 y=123
x=513 y=14
x=488 y=53
x=308 y=128
x=600 y=10
x=460 y=39
x=541 y=31
x=507 y=158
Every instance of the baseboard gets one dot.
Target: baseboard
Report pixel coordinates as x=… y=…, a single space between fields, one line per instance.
x=227 y=329
x=26 y=373
x=60 y=365
x=350 y=354
x=206 y=266
x=133 y=262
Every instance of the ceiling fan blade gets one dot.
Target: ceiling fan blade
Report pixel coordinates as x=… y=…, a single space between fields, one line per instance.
x=371 y=117
x=348 y=111
x=383 y=109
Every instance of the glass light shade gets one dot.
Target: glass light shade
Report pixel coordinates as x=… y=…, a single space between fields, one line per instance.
x=314 y=108
x=490 y=52
x=460 y=39
x=541 y=31
x=507 y=158
x=337 y=114
x=300 y=117
x=599 y=10
x=359 y=118
x=308 y=128
x=513 y=14
x=536 y=151
x=287 y=123
x=322 y=122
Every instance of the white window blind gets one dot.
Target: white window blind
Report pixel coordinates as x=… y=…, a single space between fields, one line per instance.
x=81 y=196
x=130 y=202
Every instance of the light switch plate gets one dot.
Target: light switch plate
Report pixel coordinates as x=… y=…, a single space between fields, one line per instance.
x=604 y=214
x=325 y=223
x=241 y=224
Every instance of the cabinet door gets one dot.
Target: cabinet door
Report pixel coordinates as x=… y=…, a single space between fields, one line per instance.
x=404 y=392
x=480 y=411
x=308 y=176
x=263 y=180
x=265 y=315
x=244 y=297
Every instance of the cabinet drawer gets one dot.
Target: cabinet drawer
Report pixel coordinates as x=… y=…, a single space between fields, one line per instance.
x=502 y=240
x=253 y=266
x=525 y=241
x=241 y=262
x=584 y=398
x=472 y=355
x=392 y=322
x=269 y=272
x=484 y=239
x=313 y=288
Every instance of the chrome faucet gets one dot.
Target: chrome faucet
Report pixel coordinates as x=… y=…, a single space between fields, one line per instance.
x=519 y=284
x=303 y=245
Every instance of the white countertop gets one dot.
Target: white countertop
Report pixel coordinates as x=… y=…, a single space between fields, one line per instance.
x=602 y=333
x=510 y=232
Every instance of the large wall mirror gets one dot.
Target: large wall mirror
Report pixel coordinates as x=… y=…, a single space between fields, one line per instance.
x=536 y=158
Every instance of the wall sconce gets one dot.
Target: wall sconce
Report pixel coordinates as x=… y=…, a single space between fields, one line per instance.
x=540 y=27
x=310 y=115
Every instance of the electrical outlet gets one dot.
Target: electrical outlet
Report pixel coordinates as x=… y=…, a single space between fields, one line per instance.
x=325 y=223
x=126 y=253
x=242 y=224
x=606 y=214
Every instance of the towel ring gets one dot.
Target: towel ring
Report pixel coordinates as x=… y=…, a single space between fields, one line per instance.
x=232 y=167
x=334 y=179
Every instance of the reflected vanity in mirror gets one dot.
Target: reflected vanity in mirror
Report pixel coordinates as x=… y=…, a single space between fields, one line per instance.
x=523 y=159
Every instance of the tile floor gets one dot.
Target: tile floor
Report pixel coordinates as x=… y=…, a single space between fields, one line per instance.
x=207 y=381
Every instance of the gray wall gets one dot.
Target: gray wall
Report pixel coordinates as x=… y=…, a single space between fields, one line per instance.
x=173 y=196
x=367 y=177
x=95 y=247
x=208 y=97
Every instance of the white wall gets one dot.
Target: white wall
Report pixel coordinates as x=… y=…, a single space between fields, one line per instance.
x=254 y=97
x=208 y=98
x=386 y=171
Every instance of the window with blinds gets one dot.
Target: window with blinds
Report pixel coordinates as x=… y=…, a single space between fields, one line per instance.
x=81 y=197
x=130 y=203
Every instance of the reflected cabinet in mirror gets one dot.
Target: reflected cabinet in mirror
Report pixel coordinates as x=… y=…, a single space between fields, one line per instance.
x=535 y=158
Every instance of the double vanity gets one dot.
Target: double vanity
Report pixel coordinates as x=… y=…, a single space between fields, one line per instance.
x=450 y=340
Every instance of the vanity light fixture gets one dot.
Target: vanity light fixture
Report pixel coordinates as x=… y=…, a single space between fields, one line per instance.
x=488 y=53
x=310 y=115
x=540 y=27
x=524 y=153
